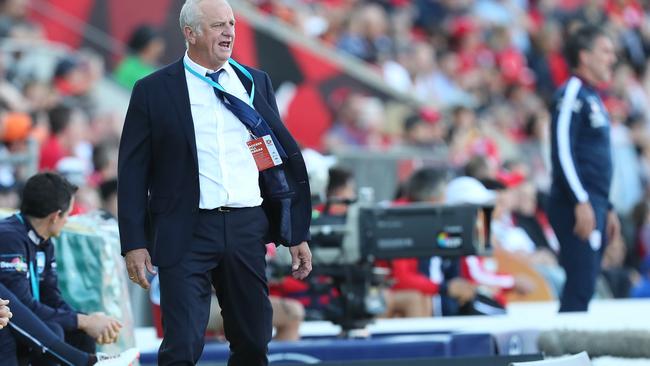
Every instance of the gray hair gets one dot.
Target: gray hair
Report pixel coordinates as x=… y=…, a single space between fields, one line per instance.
x=191 y=16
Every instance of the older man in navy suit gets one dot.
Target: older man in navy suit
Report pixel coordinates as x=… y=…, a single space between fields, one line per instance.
x=199 y=198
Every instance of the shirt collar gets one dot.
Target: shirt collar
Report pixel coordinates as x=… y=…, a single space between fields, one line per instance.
x=230 y=72
x=31 y=232
x=587 y=84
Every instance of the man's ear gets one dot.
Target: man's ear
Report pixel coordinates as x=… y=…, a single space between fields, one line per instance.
x=190 y=35
x=54 y=217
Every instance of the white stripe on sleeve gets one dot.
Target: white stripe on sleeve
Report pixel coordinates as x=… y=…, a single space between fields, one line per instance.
x=564 y=142
x=38 y=343
x=481 y=276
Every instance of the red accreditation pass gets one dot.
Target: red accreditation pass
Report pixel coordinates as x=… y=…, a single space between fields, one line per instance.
x=264 y=152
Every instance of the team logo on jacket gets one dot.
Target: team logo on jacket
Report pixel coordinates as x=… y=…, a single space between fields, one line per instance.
x=597 y=115
x=12 y=263
x=40 y=262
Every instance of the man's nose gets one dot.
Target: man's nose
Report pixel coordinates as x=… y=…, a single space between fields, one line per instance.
x=229 y=30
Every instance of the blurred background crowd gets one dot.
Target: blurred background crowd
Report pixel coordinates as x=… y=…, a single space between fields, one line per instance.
x=480 y=75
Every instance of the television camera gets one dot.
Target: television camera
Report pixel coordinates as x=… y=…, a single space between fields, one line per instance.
x=345 y=247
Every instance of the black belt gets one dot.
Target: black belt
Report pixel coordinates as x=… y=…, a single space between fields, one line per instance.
x=223 y=209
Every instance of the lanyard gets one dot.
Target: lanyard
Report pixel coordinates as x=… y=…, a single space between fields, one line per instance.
x=219 y=87
x=33 y=275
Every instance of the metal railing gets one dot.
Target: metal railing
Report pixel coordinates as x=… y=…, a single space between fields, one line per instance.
x=382 y=170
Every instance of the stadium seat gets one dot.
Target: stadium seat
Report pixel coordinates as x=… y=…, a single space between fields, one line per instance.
x=580 y=359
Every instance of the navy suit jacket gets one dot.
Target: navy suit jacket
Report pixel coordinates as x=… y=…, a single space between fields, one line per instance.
x=158 y=175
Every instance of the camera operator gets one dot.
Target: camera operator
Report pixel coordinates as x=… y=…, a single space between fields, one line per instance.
x=412 y=291
x=459 y=293
x=445 y=283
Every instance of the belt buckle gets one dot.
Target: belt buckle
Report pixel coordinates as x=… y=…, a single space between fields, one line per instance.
x=223 y=209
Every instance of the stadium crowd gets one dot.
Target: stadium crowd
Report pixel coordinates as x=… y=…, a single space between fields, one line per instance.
x=484 y=72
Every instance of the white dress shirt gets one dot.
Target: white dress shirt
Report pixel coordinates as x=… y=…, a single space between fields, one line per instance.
x=228 y=175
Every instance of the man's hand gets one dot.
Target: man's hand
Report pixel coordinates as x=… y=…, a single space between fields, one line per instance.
x=5 y=313
x=136 y=262
x=461 y=290
x=100 y=327
x=110 y=334
x=300 y=260
x=585 y=220
x=523 y=284
x=613 y=226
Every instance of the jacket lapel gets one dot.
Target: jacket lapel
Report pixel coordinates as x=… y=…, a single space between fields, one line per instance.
x=180 y=97
x=264 y=109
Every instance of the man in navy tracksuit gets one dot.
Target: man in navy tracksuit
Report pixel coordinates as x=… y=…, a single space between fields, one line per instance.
x=579 y=208
x=19 y=325
x=28 y=269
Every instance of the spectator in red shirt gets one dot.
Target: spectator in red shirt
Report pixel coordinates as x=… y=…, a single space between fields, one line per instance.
x=67 y=126
x=425 y=185
x=547 y=61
